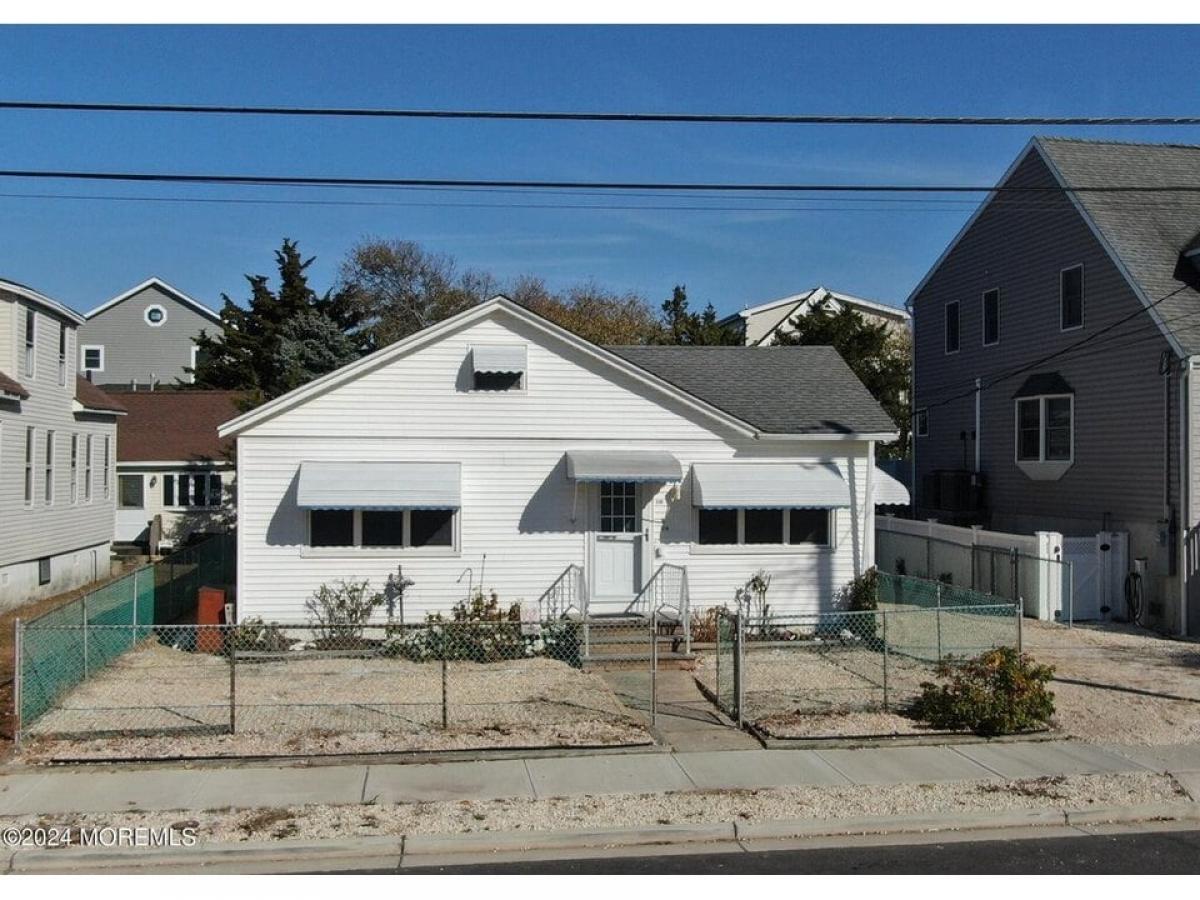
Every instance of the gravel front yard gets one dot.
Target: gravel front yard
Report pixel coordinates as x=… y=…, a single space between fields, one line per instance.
x=631 y=810
x=157 y=701
x=1135 y=687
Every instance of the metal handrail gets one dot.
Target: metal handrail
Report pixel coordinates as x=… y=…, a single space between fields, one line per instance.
x=576 y=588
x=647 y=603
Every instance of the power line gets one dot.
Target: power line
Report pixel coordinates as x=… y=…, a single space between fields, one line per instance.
x=716 y=187
x=562 y=116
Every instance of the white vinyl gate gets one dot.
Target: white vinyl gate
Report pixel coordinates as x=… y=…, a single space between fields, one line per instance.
x=1098 y=566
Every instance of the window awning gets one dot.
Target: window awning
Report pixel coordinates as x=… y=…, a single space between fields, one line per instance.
x=623 y=465
x=889 y=491
x=499 y=359
x=763 y=485
x=379 y=485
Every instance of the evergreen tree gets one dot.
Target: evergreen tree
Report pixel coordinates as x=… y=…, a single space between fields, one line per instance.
x=248 y=355
x=879 y=356
x=682 y=326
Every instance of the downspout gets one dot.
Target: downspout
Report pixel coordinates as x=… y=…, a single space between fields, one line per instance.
x=1185 y=488
x=978 y=389
x=913 y=497
x=869 y=518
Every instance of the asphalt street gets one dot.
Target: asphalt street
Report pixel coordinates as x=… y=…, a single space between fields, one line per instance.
x=1163 y=852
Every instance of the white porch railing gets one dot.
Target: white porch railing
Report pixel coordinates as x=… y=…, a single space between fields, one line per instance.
x=666 y=593
x=568 y=592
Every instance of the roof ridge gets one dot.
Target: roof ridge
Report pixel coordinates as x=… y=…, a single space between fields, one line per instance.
x=1113 y=142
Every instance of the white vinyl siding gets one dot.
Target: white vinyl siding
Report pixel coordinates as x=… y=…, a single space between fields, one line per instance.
x=517 y=505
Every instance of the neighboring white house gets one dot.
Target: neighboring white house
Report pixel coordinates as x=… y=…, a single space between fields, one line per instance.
x=760 y=324
x=57 y=448
x=174 y=475
x=496 y=448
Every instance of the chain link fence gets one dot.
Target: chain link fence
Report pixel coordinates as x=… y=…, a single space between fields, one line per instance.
x=846 y=672
x=270 y=689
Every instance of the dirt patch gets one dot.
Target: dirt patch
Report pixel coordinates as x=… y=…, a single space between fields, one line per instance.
x=632 y=810
x=160 y=701
x=1120 y=684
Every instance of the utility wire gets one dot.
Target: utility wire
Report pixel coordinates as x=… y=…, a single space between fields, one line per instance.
x=561 y=116
x=725 y=187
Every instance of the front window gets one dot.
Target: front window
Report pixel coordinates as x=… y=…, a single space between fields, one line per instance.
x=405 y=529
x=185 y=490
x=952 y=327
x=771 y=527
x=1071 y=298
x=131 y=491
x=1045 y=429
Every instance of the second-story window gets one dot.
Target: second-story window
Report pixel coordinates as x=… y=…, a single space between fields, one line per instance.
x=991 y=317
x=74 y=468
x=1071 y=298
x=30 y=340
x=29 y=466
x=49 y=467
x=952 y=327
x=62 y=352
x=87 y=470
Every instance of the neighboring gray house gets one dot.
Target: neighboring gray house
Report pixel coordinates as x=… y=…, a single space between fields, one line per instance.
x=144 y=336
x=1054 y=342
x=57 y=453
x=760 y=324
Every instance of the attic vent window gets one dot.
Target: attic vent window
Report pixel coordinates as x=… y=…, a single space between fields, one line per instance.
x=155 y=315
x=498 y=367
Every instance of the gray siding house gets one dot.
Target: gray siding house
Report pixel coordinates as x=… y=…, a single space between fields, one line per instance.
x=144 y=336
x=58 y=453
x=1054 y=341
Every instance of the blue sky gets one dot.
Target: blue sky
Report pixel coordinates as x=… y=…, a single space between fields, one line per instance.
x=85 y=251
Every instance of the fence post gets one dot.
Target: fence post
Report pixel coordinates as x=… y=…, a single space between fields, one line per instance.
x=133 y=634
x=1015 y=565
x=231 y=639
x=18 y=650
x=1020 y=648
x=1070 y=594
x=938 y=615
x=83 y=616
x=654 y=668
x=738 y=664
x=445 y=703
x=883 y=616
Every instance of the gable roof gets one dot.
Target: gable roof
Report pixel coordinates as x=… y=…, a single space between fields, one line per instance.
x=11 y=388
x=655 y=382
x=820 y=293
x=156 y=282
x=92 y=399
x=174 y=425
x=1146 y=231
x=1143 y=233
x=778 y=390
x=23 y=290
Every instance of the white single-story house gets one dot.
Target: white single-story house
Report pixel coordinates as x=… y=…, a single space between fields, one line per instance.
x=174 y=475
x=498 y=449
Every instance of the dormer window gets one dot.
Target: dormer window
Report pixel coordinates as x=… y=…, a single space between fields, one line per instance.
x=498 y=367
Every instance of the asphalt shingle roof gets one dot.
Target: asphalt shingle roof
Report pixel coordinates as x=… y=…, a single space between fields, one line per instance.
x=779 y=390
x=174 y=425
x=1147 y=230
x=93 y=398
x=8 y=386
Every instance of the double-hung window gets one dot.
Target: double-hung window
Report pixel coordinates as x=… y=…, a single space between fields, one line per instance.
x=87 y=469
x=382 y=528
x=62 y=352
x=30 y=341
x=49 y=467
x=1070 y=292
x=192 y=490
x=107 y=466
x=29 y=442
x=952 y=323
x=991 y=317
x=74 y=468
x=779 y=527
x=1045 y=429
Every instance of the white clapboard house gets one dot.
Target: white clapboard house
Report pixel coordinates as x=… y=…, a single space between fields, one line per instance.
x=497 y=449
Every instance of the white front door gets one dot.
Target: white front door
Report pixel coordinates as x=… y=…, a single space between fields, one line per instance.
x=617 y=547
x=132 y=524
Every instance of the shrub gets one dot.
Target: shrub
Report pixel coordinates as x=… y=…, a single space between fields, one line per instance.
x=338 y=612
x=998 y=692
x=861 y=595
x=255 y=634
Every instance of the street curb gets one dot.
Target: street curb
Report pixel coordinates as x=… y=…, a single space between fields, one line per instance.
x=392 y=852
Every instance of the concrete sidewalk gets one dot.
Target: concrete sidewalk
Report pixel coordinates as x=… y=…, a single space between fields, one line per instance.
x=94 y=789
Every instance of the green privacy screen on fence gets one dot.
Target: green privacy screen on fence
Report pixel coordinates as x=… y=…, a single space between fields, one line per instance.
x=56 y=655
